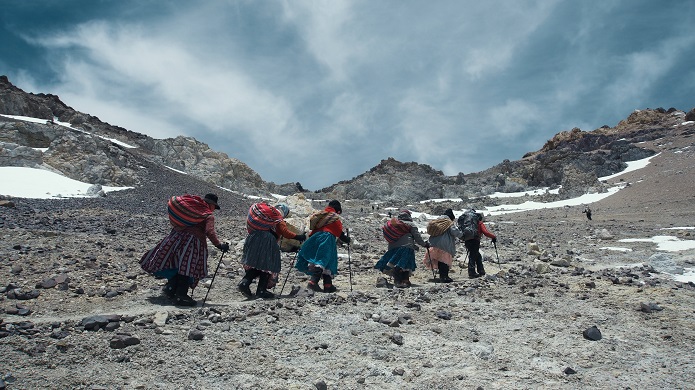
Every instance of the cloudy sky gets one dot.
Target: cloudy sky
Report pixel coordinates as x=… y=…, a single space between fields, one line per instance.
x=320 y=91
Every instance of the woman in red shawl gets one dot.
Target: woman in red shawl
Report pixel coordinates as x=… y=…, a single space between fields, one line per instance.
x=182 y=255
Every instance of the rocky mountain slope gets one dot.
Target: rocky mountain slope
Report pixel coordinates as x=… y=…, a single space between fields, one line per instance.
x=85 y=151
x=565 y=304
x=572 y=159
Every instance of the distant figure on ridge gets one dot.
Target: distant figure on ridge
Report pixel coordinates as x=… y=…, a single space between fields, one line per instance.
x=587 y=211
x=402 y=235
x=182 y=256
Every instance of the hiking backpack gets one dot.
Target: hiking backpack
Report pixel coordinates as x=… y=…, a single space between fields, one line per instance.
x=468 y=224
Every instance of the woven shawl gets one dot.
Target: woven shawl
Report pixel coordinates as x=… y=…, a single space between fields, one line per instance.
x=439 y=226
x=262 y=217
x=395 y=229
x=187 y=210
x=322 y=218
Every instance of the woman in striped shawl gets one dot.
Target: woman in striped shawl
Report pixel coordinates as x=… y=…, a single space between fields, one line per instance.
x=261 y=258
x=182 y=256
x=319 y=254
x=402 y=235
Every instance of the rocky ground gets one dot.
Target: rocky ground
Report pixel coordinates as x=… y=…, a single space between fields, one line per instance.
x=77 y=312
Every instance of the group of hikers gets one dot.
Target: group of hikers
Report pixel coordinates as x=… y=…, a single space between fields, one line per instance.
x=181 y=256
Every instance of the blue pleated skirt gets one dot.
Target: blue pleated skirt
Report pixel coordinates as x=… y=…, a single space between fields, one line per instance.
x=319 y=250
x=401 y=257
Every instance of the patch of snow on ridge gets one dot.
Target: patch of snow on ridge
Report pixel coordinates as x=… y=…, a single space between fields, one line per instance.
x=631 y=166
x=21 y=182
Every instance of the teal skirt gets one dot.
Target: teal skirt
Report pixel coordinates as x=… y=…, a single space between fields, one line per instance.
x=319 y=250
x=401 y=257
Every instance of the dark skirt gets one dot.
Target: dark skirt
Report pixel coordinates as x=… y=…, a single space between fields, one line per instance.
x=262 y=252
x=402 y=257
x=178 y=253
x=319 y=250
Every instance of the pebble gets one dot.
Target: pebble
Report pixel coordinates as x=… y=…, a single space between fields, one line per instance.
x=196 y=334
x=120 y=341
x=592 y=333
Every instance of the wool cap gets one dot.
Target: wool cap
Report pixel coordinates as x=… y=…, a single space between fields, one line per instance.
x=450 y=213
x=212 y=199
x=404 y=215
x=284 y=209
x=336 y=206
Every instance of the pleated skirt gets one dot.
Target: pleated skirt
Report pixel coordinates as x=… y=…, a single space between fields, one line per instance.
x=319 y=250
x=262 y=252
x=178 y=253
x=402 y=257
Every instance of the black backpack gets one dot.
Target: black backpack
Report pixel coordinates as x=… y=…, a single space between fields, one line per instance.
x=468 y=224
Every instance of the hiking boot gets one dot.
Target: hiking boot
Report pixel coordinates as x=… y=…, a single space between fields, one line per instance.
x=181 y=294
x=444 y=273
x=402 y=284
x=264 y=294
x=314 y=286
x=169 y=289
x=329 y=288
x=185 y=300
x=243 y=288
x=262 y=289
x=473 y=276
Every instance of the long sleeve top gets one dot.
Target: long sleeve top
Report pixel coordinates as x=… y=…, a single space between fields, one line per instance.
x=283 y=231
x=482 y=229
x=447 y=241
x=203 y=230
x=409 y=239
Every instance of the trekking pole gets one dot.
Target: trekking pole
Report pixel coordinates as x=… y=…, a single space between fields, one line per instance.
x=349 y=261
x=431 y=266
x=213 y=278
x=496 y=254
x=468 y=260
x=288 y=273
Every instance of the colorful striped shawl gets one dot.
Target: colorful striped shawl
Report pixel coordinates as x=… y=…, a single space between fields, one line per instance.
x=187 y=210
x=322 y=218
x=262 y=217
x=395 y=229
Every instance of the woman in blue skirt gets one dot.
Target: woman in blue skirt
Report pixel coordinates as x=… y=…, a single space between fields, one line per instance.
x=319 y=254
x=402 y=235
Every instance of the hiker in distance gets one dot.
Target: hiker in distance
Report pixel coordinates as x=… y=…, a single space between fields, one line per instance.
x=401 y=234
x=444 y=234
x=472 y=226
x=181 y=257
x=261 y=257
x=318 y=256
x=587 y=211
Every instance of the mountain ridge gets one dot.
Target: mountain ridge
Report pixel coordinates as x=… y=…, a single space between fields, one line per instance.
x=572 y=160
